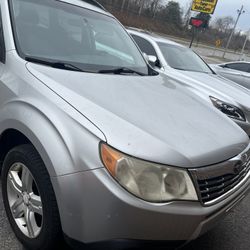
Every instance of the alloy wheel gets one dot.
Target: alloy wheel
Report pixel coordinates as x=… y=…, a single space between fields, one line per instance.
x=24 y=200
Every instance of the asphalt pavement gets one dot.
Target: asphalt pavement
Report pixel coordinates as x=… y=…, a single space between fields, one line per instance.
x=232 y=233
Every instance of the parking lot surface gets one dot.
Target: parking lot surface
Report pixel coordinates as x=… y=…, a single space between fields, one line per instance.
x=211 y=54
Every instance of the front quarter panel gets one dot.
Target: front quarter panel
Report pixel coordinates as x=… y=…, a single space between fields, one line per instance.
x=56 y=144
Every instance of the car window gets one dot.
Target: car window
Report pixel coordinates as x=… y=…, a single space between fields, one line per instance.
x=60 y=31
x=145 y=46
x=245 y=67
x=182 y=58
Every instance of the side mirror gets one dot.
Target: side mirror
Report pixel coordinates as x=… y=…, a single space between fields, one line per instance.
x=152 y=60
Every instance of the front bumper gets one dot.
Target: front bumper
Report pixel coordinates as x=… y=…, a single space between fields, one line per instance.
x=94 y=208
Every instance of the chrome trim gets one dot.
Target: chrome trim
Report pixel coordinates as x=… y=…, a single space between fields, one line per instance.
x=224 y=196
x=232 y=166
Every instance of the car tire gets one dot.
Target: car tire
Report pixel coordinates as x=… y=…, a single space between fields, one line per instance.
x=29 y=199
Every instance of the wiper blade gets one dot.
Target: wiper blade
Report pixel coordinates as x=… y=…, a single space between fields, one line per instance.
x=59 y=65
x=121 y=70
x=180 y=69
x=191 y=70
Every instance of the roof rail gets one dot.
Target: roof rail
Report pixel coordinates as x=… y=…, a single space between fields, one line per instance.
x=95 y=3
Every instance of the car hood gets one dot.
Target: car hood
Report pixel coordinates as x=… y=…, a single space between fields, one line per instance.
x=152 y=117
x=216 y=86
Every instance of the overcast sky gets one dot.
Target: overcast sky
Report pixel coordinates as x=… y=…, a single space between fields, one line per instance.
x=229 y=8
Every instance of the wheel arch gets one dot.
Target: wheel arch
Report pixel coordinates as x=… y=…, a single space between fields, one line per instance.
x=9 y=139
x=25 y=124
x=15 y=136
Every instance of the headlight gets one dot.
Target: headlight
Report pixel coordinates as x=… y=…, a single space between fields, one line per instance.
x=148 y=181
x=228 y=109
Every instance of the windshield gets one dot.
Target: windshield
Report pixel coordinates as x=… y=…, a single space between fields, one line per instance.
x=56 y=31
x=183 y=58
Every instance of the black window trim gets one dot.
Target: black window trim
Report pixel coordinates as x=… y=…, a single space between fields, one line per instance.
x=147 y=40
x=227 y=65
x=2 y=40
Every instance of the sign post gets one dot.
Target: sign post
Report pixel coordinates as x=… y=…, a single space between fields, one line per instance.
x=218 y=43
x=196 y=24
x=203 y=6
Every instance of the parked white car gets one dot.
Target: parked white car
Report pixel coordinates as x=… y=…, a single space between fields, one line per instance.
x=184 y=65
x=238 y=72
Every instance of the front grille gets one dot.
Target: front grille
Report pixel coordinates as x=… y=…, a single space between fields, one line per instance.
x=214 y=182
x=213 y=188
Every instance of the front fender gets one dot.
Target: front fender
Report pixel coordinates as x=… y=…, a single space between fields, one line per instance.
x=65 y=146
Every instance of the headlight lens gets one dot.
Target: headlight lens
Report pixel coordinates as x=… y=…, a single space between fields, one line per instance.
x=148 y=181
x=228 y=109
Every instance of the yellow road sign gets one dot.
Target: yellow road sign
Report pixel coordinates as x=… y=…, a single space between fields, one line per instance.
x=218 y=43
x=205 y=6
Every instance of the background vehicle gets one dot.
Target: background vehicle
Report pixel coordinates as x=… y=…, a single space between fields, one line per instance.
x=182 y=64
x=95 y=144
x=238 y=72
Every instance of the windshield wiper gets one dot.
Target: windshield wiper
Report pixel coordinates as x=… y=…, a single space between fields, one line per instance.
x=180 y=69
x=69 y=66
x=121 y=70
x=191 y=70
x=59 y=65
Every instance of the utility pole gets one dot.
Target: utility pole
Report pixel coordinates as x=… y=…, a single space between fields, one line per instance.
x=240 y=12
x=244 y=45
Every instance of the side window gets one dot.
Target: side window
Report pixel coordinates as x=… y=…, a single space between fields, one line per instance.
x=2 y=45
x=145 y=46
x=238 y=66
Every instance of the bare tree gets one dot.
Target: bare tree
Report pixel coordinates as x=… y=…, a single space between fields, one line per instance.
x=187 y=13
x=154 y=7
x=224 y=24
x=142 y=4
x=123 y=4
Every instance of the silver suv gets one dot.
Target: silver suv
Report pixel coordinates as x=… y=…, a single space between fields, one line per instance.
x=98 y=146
